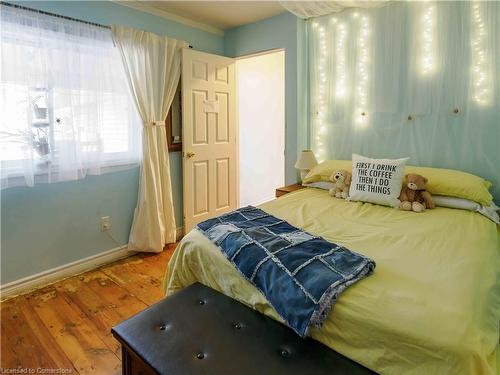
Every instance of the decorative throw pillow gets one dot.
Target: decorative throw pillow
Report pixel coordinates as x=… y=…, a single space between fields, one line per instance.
x=376 y=180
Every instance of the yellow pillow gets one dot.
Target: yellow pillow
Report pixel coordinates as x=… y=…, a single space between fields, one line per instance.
x=324 y=170
x=448 y=182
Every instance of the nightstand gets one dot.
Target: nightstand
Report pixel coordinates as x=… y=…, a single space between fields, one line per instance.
x=288 y=189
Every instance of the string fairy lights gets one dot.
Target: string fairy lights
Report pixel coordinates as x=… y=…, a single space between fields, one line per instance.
x=428 y=42
x=344 y=78
x=481 y=83
x=361 y=95
x=321 y=94
x=340 y=68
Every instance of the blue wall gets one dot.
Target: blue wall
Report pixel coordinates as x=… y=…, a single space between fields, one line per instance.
x=50 y=225
x=288 y=32
x=54 y=224
x=108 y=13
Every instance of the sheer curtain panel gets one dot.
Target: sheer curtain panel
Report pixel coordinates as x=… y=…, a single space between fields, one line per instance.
x=153 y=65
x=417 y=79
x=66 y=110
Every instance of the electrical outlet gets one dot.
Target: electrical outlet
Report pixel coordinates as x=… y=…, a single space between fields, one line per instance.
x=105 y=223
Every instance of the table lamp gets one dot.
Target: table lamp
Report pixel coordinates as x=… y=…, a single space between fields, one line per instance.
x=305 y=163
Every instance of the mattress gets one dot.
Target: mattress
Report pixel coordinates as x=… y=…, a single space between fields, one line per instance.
x=432 y=305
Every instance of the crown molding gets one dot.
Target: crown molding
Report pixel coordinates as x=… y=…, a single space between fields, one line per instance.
x=169 y=16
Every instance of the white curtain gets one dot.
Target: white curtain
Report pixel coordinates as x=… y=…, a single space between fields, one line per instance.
x=417 y=79
x=153 y=65
x=66 y=110
x=308 y=9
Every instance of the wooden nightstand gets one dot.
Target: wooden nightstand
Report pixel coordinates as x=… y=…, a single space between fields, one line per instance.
x=288 y=189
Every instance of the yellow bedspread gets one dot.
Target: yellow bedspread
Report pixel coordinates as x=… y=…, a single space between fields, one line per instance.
x=432 y=305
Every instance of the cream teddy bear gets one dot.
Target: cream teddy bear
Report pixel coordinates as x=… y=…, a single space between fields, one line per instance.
x=342 y=180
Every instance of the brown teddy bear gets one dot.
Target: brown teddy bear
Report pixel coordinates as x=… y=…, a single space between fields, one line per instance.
x=413 y=194
x=342 y=180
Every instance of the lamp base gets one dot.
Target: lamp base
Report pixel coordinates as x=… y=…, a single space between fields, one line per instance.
x=303 y=174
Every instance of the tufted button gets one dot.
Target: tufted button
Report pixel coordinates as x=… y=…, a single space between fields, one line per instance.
x=285 y=353
x=163 y=327
x=237 y=325
x=201 y=302
x=456 y=110
x=200 y=355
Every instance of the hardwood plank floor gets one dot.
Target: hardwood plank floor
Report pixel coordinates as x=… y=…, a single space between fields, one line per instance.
x=67 y=325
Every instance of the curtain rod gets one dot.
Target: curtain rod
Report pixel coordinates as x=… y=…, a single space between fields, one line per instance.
x=57 y=15
x=53 y=14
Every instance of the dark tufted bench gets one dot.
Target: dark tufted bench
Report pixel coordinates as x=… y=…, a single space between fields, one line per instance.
x=201 y=331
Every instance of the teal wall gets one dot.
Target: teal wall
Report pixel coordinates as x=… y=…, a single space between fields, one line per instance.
x=53 y=224
x=288 y=32
x=108 y=13
x=50 y=225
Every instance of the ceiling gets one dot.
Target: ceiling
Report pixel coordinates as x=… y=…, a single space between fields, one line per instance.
x=221 y=15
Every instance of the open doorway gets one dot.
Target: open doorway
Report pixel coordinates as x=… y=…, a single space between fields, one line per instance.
x=261 y=117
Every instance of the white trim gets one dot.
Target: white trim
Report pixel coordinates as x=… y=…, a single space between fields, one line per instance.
x=169 y=16
x=260 y=53
x=256 y=204
x=44 y=278
x=43 y=177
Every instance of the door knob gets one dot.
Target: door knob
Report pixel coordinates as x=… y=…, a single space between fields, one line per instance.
x=190 y=154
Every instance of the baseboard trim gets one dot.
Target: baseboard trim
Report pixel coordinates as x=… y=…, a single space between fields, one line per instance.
x=44 y=278
x=255 y=204
x=29 y=283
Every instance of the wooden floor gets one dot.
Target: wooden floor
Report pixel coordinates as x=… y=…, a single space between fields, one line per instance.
x=67 y=325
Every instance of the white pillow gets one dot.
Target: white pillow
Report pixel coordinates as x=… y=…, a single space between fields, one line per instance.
x=320 y=185
x=464 y=204
x=376 y=180
x=491 y=212
x=452 y=202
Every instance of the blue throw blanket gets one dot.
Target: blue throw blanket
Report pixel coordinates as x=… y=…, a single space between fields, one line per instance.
x=301 y=275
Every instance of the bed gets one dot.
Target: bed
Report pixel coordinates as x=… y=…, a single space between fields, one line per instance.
x=432 y=305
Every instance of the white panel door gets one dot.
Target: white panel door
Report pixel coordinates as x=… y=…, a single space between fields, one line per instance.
x=210 y=163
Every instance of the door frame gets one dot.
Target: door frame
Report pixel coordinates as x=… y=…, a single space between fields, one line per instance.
x=247 y=56
x=263 y=52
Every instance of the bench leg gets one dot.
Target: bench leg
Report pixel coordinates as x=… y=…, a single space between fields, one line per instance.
x=126 y=361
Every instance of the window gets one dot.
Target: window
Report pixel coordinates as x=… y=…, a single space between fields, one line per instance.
x=174 y=122
x=66 y=107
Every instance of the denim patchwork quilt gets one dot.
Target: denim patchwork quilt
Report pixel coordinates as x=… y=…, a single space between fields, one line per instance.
x=301 y=275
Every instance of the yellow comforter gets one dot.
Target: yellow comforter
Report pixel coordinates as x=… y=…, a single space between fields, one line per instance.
x=432 y=305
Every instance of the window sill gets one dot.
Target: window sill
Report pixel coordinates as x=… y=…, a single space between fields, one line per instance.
x=42 y=177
